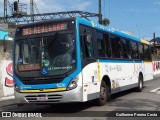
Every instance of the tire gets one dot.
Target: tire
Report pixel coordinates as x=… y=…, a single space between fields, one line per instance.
x=20 y=104
x=140 y=84
x=104 y=94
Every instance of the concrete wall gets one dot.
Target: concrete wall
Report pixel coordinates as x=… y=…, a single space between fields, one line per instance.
x=6 y=79
x=1 y=85
x=156 y=67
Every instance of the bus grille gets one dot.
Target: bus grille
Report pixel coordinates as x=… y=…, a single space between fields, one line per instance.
x=50 y=98
x=33 y=81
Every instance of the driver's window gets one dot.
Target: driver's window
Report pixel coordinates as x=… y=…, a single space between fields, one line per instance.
x=87 y=42
x=89 y=46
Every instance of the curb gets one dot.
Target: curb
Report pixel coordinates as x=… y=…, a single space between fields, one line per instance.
x=7 y=98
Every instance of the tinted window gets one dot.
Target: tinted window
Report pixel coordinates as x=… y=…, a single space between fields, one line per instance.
x=134 y=50
x=82 y=47
x=87 y=42
x=108 y=47
x=147 y=55
x=126 y=49
x=140 y=50
x=101 y=46
x=116 y=47
x=89 y=46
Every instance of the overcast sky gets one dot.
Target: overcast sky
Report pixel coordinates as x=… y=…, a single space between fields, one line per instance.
x=138 y=16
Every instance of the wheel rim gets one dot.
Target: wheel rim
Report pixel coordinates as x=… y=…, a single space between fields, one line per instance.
x=103 y=93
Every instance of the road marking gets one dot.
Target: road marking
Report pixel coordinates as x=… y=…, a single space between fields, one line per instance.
x=157 y=90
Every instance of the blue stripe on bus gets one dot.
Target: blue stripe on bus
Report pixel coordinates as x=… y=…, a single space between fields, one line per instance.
x=121 y=61
x=21 y=86
x=65 y=82
x=107 y=29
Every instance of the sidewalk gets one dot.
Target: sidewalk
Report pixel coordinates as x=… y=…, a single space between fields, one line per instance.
x=6 y=101
x=6 y=98
x=156 y=76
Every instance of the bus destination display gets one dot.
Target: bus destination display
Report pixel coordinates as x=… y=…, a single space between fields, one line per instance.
x=44 y=28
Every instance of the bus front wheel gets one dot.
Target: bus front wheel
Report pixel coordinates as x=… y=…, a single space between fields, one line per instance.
x=104 y=92
x=20 y=104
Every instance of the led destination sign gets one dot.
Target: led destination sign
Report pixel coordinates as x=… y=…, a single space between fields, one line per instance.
x=44 y=28
x=28 y=67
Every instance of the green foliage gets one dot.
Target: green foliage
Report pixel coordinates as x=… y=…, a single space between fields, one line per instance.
x=105 y=22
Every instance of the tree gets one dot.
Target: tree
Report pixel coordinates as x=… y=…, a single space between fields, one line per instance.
x=105 y=22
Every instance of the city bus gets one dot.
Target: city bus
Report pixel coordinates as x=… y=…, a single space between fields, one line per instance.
x=76 y=60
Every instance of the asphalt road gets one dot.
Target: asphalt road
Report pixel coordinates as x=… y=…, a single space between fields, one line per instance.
x=128 y=101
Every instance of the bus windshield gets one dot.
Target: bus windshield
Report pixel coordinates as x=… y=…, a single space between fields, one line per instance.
x=45 y=56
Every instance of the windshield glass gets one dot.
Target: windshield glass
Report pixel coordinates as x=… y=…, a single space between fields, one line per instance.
x=45 y=56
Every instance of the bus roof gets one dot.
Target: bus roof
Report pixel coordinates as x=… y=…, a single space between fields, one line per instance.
x=145 y=42
x=45 y=21
x=93 y=25
x=110 y=30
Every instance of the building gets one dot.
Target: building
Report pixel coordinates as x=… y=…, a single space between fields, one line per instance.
x=6 y=34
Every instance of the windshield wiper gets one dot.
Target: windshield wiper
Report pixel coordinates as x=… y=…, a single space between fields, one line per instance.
x=50 y=42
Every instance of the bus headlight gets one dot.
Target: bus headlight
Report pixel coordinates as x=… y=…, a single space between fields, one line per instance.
x=73 y=84
x=16 y=88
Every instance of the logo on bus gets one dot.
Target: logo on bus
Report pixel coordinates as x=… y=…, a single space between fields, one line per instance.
x=61 y=85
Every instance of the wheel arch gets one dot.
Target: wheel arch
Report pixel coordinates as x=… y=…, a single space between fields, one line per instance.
x=140 y=73
x=106 y=79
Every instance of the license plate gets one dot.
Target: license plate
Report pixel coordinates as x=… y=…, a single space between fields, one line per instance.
x=42 y=98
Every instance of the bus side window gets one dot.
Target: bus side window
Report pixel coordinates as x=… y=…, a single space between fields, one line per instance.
x=82 y=47
x=119 y=48
x=86 y=42
x=101 y=46
x=126 y=50
x=135 y=54
x=147 y=54
x=141 y=51
x=116 y=47
x=108 y=46
x=88 y=46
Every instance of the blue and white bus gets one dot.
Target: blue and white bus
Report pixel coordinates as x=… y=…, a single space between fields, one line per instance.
x=76 y=60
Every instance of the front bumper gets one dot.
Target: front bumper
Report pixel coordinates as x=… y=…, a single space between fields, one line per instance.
x=75 y=95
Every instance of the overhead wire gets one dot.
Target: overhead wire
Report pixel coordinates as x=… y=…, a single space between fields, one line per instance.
x=9 y=5
x=109 y=9
x=130 y=15
x=104 y=8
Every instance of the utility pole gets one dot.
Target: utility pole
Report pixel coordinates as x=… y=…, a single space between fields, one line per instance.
x=5 y=10
x=32 y=10
x=100 y=13
x=154 y=44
